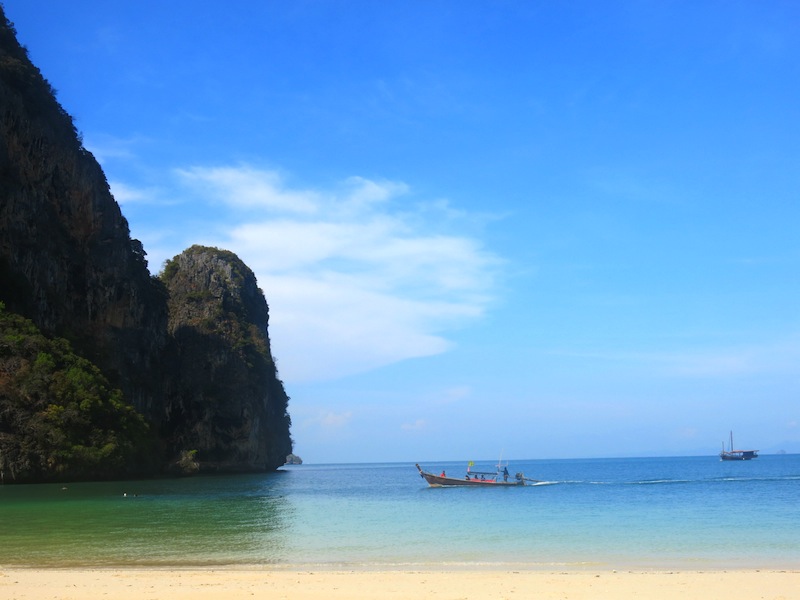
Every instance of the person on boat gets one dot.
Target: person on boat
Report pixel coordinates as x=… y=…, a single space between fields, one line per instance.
x=443 y=474
x=505 y=473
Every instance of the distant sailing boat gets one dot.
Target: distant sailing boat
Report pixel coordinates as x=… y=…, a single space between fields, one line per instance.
x=736 y=454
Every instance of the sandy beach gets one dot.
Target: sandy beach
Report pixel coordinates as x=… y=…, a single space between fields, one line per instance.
x=198 y=584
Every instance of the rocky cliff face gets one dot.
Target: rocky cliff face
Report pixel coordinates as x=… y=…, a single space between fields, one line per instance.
x=205 y=379
x=66 y=257
x=225 y=399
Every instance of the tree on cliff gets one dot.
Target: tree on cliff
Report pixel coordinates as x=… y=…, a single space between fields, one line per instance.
x=137 y=365
x=59 y=417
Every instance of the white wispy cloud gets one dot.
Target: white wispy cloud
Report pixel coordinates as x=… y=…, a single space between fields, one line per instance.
x=455 y=394
x=245 y=187
x=737 y=360
x=126 y=194
x=357 y=276
x=107 y=148
x=418 y=425
x=333 y=420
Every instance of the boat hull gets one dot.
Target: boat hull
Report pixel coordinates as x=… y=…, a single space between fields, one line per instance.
x=739 y=455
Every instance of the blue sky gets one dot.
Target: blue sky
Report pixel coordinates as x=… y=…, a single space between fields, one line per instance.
x=535 y=229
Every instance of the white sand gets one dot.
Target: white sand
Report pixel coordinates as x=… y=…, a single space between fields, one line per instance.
x=233 y=583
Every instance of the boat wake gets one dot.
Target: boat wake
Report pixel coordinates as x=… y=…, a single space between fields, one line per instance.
x=677 y=481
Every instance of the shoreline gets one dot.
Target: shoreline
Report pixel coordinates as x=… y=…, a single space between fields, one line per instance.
x=758 y=564
x=570 y=583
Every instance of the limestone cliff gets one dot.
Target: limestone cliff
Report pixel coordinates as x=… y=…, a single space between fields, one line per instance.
x=67 y=261
x=225 y=399
x=205 y=381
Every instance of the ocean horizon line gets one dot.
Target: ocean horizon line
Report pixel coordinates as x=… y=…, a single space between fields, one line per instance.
x=512 y=460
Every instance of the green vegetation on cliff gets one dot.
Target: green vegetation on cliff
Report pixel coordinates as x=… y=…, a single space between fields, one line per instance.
x=116 y=373
x=223 y=367
x=59 y=417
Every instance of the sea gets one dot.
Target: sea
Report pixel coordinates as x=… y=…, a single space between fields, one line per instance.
x=686 y=512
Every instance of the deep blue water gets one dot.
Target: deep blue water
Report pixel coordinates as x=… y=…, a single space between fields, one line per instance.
x=689 y=512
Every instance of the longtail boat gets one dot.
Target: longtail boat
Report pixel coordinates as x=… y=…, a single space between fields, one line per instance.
x=737 y=454
x=496 y=478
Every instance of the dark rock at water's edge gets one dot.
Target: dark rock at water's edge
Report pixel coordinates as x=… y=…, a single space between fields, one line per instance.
x=188 y=351
x=293 y=459
x=224 y=398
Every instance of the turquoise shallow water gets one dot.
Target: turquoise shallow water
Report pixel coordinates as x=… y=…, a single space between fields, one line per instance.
x=693 y=512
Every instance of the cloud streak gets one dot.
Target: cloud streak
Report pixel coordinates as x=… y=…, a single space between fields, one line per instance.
x=245 y=187
x=779 y=356
x=357 y=276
